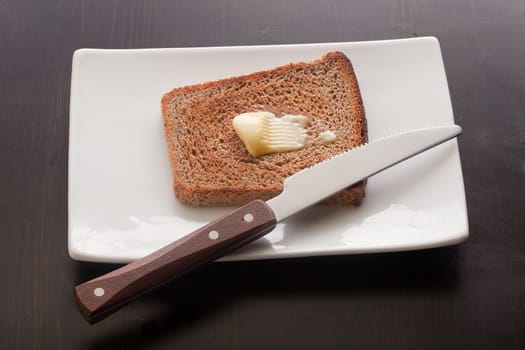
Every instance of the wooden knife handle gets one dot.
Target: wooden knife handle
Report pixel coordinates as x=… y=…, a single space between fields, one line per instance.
x=102 y=296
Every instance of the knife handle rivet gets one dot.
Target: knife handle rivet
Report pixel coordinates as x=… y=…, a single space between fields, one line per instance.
x=213 y=235
x=248 y=217
x=99 y=292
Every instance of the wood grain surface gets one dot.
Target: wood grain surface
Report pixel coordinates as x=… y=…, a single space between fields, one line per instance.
x=468 y=296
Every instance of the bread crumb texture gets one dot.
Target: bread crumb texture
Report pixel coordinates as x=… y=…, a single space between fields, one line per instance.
x=210 y=164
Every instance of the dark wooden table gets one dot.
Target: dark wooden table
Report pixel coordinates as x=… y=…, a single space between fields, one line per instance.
x=467 y=296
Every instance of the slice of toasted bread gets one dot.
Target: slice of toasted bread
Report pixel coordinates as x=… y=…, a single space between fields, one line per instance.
x=211 y=165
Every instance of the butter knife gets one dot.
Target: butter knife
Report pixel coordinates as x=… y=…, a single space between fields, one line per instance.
x=104 y=295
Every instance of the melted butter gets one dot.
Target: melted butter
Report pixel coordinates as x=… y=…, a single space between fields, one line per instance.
x=264 y=133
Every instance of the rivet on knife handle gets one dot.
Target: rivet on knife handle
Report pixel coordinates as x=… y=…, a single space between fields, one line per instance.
x=102 y=296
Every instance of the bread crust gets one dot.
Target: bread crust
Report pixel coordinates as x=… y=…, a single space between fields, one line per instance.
x=210 y=164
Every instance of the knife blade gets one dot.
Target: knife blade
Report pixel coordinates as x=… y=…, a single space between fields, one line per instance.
x=104 y=295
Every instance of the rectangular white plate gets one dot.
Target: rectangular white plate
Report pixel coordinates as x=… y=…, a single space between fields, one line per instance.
x=121 y=202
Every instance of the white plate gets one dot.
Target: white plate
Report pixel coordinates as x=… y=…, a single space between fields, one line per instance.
x=121 y=203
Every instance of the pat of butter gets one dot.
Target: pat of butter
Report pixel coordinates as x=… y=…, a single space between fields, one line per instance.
x=327 y=136
x=264 y=133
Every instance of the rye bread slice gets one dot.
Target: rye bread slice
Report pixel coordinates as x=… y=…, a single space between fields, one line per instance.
x=210 y=163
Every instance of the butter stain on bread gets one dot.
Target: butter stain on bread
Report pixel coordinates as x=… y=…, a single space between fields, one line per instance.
x=210 y=164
